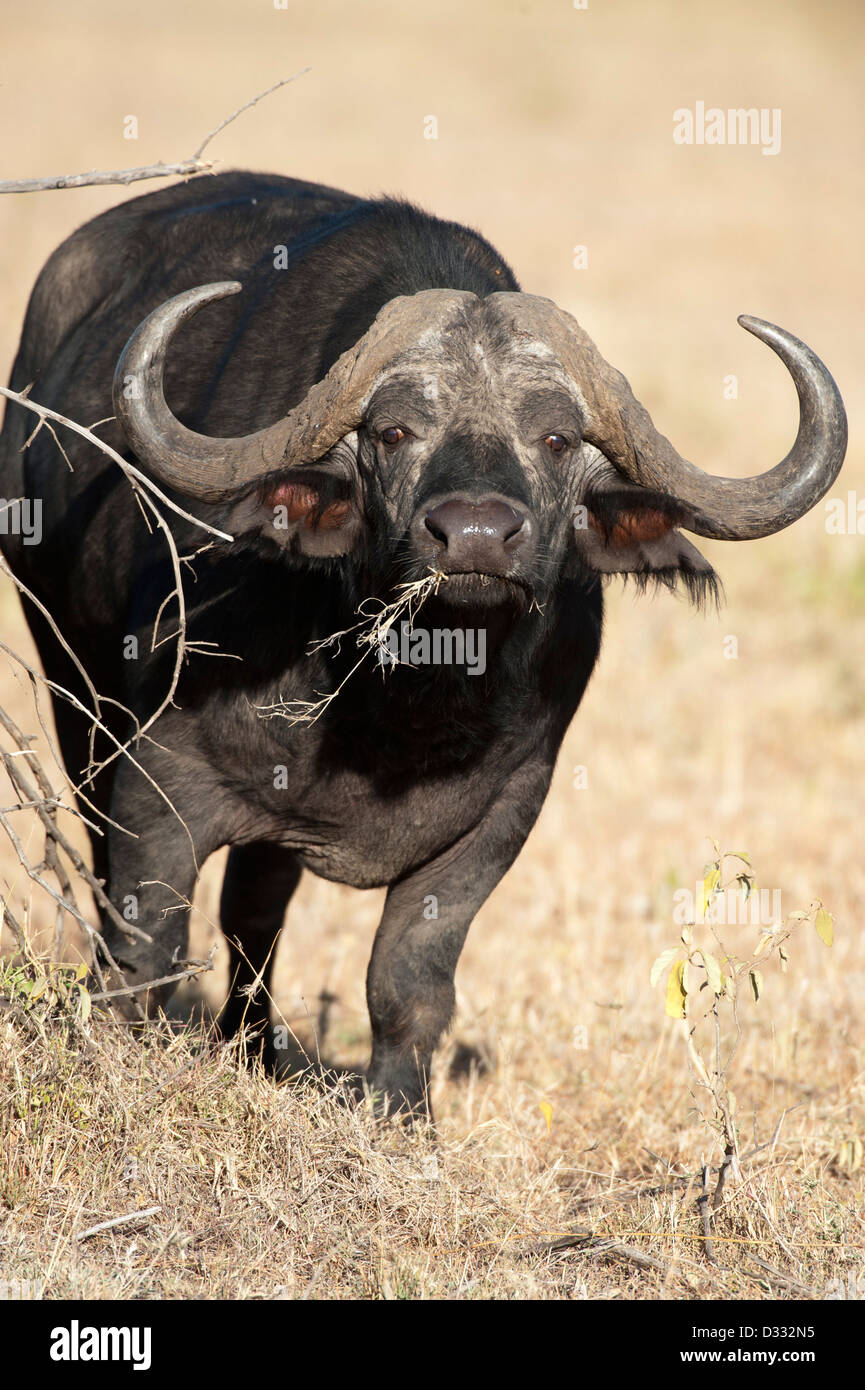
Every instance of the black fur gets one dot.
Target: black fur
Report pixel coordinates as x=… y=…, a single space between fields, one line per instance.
x=425 y=780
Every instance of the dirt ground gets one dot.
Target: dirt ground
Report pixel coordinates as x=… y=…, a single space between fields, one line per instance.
x=554 y=132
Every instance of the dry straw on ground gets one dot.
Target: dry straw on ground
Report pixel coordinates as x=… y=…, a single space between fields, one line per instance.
x=166 y=1169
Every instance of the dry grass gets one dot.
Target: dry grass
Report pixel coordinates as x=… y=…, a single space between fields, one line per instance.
x=376 y=620
x=554 y=130
x=268 y=1191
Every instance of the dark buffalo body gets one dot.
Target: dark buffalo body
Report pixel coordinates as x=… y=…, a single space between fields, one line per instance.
x=479 y=444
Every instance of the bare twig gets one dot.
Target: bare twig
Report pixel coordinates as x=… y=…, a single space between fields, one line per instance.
x=142 y=487
x=27 y=776
x=705 y=1217
x=585 y=1242
x=784 y=1280
x=185 y=168
x=137 y=479
x=283 y=82
x=198 y=968
x=94 y=177
x=54 y=835
x=118 y=1221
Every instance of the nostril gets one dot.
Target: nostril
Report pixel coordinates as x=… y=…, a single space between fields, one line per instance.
x=435 y=528
x=513 y=528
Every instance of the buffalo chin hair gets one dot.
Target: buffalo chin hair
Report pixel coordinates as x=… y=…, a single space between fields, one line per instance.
x=701 y=587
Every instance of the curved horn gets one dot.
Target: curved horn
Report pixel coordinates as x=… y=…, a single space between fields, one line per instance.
x=212 y=469
x=732 y=509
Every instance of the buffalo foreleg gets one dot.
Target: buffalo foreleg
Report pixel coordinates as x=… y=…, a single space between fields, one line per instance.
x=258 y=884
x=410 y=982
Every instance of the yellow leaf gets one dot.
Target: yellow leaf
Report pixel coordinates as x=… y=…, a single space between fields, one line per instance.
x=825 y=924
x=709 y=884
x=675 y=1002
x=849 y=1155
x=547 y=1111
x=665 y=959
x=85 y=1004
x=713 y=971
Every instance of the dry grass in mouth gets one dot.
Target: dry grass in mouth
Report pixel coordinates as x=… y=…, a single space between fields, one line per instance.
x=370 y=635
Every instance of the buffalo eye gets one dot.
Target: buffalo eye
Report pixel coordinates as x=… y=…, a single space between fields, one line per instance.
x=556 y=443
x=392 y=436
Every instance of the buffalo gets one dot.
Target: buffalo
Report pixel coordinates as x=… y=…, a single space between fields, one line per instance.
x=358 y=396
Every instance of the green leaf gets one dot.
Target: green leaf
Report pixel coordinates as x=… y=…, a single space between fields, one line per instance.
x=756 y=983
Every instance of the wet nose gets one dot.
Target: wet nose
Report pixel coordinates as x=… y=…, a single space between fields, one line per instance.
x=477 y=535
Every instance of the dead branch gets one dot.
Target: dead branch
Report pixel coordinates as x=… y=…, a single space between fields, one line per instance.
x=30 y=783
x=46 y=809
x=134 y=1216
x=185 y=168
x=195 y=968
x=283 y=82
x=583 y=1242
x=137 y=479
x=94 y=177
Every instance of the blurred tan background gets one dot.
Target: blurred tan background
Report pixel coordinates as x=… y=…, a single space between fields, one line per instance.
x=555 y=129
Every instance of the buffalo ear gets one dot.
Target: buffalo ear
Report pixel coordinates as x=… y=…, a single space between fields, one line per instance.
x=634 y=531
x=306 y=512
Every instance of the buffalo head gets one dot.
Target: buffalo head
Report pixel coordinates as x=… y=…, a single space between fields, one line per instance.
x=482 y=438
